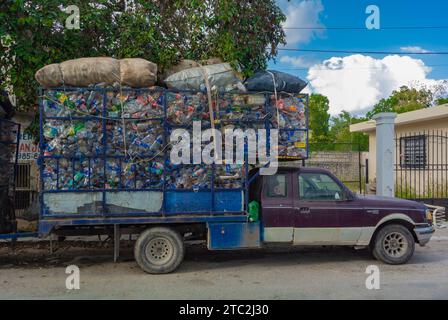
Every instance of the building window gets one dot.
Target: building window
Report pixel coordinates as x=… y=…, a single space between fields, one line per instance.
x=413 y=152
x=24 y=195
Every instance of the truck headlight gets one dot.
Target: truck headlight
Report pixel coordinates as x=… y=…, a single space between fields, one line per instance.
x=429 y=217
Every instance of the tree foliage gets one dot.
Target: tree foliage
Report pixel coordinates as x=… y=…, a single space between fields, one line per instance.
x=441 y=101
x=319 y=118
x=340 y=133
x=33 y=33
x=333 y=133
x=403 y=100
x=339 y=137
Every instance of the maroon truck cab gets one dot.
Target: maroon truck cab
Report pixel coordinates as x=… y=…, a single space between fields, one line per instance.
x=310 y=206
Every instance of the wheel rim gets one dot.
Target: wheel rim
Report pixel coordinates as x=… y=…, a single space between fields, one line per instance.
x=395 y=244
x=159 y=251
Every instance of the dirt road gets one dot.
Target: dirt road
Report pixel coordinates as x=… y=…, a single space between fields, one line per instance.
x=302 y=273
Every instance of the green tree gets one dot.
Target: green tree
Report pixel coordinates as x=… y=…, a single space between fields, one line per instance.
x=319 y=118
x=403 y=100
x=341 y=136
x=333 y=133
x=244 y=32
x=441 y=101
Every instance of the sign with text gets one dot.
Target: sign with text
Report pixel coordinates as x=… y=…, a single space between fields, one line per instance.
x=28 y=149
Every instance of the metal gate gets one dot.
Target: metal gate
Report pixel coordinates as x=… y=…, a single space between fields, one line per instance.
x=421 y=166
x=24 y=194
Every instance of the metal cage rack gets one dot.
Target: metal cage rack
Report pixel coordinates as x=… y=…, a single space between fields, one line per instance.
x=208 y=200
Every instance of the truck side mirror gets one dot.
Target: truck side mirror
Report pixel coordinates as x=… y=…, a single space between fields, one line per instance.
x=348 y=195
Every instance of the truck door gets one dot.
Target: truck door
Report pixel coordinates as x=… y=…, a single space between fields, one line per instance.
x=277 y=208
x=322 y=214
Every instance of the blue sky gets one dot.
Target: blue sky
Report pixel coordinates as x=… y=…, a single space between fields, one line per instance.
x=371 y=76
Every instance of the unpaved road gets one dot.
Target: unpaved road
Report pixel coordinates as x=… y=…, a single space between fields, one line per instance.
x=302 y=273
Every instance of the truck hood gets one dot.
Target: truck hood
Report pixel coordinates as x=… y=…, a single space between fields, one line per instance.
x=388 y=202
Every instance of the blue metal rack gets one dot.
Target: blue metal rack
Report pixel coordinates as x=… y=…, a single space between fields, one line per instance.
x=196 y=204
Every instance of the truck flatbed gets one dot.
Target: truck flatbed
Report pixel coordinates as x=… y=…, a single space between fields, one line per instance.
x=107 y=195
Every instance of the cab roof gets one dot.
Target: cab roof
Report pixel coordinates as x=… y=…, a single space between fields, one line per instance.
x=294 y=168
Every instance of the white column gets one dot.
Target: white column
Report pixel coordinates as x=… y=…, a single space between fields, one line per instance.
x=385 y=153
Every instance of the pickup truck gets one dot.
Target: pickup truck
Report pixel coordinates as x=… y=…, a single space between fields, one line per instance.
x=91 y=185
x=305 y=207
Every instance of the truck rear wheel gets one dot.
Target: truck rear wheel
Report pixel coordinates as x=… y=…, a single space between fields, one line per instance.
x=394 y=244
x=159 y=250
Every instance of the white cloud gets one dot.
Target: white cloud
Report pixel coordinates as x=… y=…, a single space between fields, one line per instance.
x=357 y=82
x=414 y=49
x=303 y=14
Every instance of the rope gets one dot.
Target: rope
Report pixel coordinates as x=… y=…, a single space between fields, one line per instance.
x=210 y=109
x=123 y=123
x=276 y=98
x=62 y=76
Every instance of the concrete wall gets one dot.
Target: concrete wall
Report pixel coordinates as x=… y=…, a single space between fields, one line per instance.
x=344 y=164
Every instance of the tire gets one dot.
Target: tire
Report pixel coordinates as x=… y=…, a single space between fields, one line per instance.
x=394 y=244
x=159 y=250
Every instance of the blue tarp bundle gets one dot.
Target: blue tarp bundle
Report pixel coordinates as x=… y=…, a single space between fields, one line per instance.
x=264 y=81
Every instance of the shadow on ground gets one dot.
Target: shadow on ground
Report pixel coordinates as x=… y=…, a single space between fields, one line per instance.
x=37 y=255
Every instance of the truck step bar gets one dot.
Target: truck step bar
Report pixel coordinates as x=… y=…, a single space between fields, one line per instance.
x=11 y=236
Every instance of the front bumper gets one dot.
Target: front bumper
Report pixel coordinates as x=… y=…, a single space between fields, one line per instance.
x=424 y=233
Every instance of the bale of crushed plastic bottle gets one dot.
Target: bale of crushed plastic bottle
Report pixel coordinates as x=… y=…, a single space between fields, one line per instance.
x=222 y=76
x=84 y=72
x=141 y=136
x=265 y=80
x=50 y=76
x=80 y=72
x=180 y=66
x=138 y=73
x=188 y=64
x=210 y=61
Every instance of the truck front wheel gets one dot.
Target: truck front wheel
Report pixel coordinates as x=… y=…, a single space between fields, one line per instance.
x=394 y=244
x=159 y=250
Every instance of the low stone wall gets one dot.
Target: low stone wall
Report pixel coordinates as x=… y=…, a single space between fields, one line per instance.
x=344 y=164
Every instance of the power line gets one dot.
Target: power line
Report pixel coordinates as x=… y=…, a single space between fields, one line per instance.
x=364 y=28
x=367 y=68
x=363 y=52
